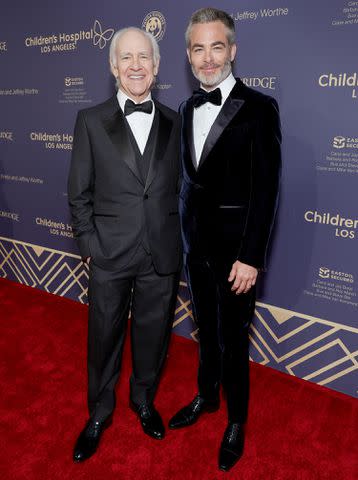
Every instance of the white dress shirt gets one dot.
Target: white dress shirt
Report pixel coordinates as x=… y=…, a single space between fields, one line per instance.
x=205 y=115
x=139 y=122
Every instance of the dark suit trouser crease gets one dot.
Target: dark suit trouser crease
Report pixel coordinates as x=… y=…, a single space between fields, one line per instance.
x=151 y=299
x=223 y=319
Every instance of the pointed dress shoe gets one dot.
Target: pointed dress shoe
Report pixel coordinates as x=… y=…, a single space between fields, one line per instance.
x=151 y=421
x=191 y=413
x=87 y=442
x=232 y=446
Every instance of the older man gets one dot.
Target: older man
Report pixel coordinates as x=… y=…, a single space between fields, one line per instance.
x=231 y=163
x=123 y=196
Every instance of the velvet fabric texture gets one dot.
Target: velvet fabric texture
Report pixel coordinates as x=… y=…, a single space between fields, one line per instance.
x=228 y=203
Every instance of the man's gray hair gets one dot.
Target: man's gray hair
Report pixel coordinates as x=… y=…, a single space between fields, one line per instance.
x=122 y=31
x=207 y=15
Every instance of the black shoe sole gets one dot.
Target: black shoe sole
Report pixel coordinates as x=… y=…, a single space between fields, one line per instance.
x=210 y=409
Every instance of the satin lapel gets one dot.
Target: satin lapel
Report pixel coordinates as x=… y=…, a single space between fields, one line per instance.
x=117 y=131
x=188 y=132
x=164 y=127
x=227 y=113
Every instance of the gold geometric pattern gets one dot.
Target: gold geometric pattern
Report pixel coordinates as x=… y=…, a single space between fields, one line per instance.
x=57 y=272
x=311 y=348
x=308 y=347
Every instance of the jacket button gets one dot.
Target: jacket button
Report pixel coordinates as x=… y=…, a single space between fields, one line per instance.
x=145 y=197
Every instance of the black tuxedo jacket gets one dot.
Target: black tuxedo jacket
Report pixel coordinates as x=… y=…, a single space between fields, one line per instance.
x=110 y=204
x=228 y=203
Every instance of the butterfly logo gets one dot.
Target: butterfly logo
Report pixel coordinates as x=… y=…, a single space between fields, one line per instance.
x=101 y=37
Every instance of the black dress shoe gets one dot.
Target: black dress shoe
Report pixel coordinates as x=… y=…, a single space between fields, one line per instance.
x=232 y=446
x=190 y=414
x=88 y=440
x=151 y=421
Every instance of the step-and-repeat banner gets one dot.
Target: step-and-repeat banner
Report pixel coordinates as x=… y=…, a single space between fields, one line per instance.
x=54 y=61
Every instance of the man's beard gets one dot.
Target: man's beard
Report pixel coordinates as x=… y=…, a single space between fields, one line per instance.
x=213 y=80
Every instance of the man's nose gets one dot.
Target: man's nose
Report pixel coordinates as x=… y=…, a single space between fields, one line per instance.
x=136 y=64
x=207 y=56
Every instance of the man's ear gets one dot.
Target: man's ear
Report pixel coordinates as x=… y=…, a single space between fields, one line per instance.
x=114 y=70
x=233 y=50
x=156 y=68
x=188 y=54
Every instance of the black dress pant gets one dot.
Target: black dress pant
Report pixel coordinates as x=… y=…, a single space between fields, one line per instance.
x=223 y=319
x=151 y=300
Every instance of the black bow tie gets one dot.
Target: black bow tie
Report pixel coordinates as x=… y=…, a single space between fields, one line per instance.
x=130 y=107
x=201 y=96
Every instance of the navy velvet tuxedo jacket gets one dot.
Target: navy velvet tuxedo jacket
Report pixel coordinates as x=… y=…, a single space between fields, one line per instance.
x=112 y=207
x=227 y=205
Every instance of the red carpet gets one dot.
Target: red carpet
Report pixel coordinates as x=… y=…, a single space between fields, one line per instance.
x=296 y=430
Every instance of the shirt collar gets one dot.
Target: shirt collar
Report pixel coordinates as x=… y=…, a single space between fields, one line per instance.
x=122 y=97
x=225 y=87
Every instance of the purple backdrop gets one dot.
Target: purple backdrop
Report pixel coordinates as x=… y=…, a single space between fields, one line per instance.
x=53 y=60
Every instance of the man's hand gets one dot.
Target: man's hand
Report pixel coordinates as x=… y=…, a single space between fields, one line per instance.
x=244 y=277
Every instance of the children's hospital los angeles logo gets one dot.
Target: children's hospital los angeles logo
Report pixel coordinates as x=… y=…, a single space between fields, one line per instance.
x=154 y=23
x=340 y=80
x=66 y=42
